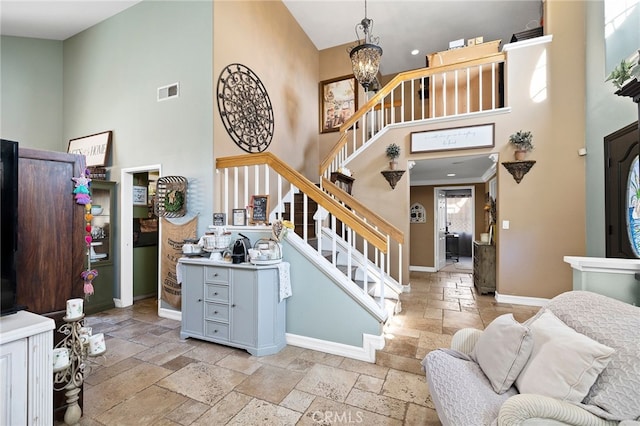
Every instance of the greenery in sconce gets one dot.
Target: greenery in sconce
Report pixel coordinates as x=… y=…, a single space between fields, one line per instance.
x=621 y=73
x=522 y=140
x=393 y=151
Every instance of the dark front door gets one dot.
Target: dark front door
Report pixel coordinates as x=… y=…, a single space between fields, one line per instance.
x=622 y=193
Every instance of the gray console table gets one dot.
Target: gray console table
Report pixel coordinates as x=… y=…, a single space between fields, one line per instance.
x=233 y=304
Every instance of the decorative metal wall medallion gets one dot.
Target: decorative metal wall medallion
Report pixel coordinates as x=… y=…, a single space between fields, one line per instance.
x=245 y=108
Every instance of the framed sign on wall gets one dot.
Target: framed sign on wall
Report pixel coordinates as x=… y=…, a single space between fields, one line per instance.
x=466 y=137
x=140 y=196
x=95 y=148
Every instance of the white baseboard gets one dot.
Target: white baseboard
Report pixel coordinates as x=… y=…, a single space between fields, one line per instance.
x=170 y=314
x=367 y=352
x=422 y=268
x=521 y=300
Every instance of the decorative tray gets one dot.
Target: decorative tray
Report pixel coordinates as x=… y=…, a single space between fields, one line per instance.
x=265 y=262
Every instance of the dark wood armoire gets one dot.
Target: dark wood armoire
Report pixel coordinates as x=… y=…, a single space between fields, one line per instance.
x=51 y=252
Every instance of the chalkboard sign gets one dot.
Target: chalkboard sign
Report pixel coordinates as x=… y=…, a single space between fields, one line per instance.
x=259 y=209
x=219 y=219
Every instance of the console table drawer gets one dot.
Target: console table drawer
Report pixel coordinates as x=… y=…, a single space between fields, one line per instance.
x=216 y=293
x=216 y=330
x=217 y=312
x=216 y=274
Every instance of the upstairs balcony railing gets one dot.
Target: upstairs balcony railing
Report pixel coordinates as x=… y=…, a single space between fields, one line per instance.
x=413 y=96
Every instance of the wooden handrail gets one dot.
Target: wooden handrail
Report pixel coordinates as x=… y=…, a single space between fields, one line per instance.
x=372 y=235
x=333 y=153
x=372 y=217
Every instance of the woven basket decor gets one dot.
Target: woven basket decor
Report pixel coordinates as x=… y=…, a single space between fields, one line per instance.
x=171 y=196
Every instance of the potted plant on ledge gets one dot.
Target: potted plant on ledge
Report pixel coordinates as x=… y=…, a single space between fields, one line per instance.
x=393 y=152
x=522 y=141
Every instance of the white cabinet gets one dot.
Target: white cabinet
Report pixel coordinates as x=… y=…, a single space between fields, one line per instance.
x=235 y=304
x=26 y=369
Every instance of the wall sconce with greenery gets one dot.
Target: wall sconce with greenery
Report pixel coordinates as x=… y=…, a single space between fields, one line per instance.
x=392 y=176
x=522 y=141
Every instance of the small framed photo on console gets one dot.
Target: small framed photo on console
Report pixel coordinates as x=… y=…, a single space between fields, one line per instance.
x=239 y=217
x=219 y=219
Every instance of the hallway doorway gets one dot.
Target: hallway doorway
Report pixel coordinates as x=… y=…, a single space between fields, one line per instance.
x=455 y=226
x=126 y=296
x=427 y=251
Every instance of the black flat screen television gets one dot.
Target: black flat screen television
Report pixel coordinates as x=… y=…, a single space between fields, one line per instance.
x=9 y=224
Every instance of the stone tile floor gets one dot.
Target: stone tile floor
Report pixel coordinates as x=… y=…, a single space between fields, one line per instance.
x=151 y=377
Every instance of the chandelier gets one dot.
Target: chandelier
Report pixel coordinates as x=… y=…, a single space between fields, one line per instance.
x=365 y=57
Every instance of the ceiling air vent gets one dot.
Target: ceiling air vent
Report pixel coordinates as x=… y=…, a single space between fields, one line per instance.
x=168 y=92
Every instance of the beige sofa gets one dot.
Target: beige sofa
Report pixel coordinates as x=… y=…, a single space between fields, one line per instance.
x=576 y=362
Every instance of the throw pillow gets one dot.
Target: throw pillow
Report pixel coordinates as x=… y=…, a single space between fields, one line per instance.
x=564 y=364
x=502 y=350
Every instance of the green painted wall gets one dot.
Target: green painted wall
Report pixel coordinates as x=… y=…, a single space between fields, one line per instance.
x=31 y=92
x=322 y=310
x=112 y=73
x=621 y=286
x=319 y=308
x=145 y=271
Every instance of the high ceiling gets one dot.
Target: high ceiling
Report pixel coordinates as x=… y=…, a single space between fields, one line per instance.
x=405 y=25
x=401 y=25
x=55 y=19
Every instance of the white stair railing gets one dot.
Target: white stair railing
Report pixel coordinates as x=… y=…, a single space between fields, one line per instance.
x=271 y=177
x=418 y=95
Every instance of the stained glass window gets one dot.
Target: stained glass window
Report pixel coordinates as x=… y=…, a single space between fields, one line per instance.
x=633 y=207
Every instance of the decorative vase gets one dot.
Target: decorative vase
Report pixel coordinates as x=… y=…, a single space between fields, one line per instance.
x=520 y=154
x=392 y=164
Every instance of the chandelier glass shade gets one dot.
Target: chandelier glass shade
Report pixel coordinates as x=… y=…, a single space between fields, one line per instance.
x=365 y=56
x=365 y=61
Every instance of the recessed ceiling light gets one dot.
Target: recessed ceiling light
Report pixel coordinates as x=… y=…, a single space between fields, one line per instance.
x=451 y=174
x=414 y=52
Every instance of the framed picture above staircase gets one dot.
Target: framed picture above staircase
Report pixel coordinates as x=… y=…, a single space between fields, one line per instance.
x=338 y=102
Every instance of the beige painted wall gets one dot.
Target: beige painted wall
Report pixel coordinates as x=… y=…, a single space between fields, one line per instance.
x=546 y=210
x=421 y=246
x=263 y=36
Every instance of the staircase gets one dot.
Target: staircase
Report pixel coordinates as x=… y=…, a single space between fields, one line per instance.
x=298 y=216
x=353 y=267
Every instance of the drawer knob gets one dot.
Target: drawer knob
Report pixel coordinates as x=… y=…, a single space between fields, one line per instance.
x=215 y=312
x=215 y=275
x=215 y=294
x=233 y=306
x=199 y=300
x=215 y=331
